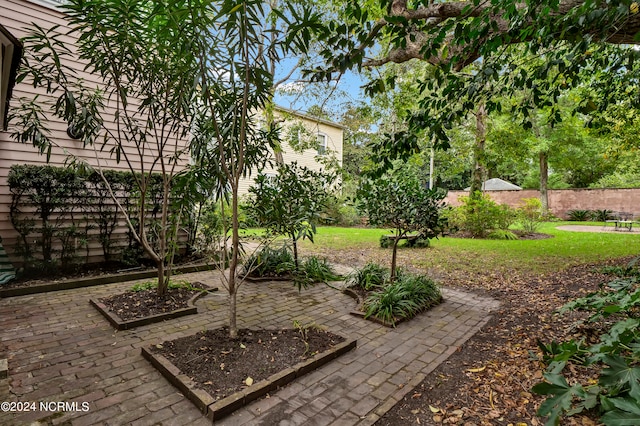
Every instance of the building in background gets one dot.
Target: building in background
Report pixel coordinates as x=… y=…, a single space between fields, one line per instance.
x=309 y=141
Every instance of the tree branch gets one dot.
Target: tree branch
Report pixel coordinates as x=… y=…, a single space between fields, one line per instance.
x=623 y=32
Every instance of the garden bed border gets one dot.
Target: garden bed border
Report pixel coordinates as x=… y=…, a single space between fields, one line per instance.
x=121 y=324
x=93 y=281
x=215 y=410
x=265 y=279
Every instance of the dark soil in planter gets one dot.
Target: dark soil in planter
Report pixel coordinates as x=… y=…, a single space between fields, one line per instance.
x=139 y=304
x=34 y=277
x=221 y=366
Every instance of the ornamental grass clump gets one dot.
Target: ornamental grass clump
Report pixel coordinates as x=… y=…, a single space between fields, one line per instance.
x=402 y=299
x=370 y=277
x=269 y=262
x=280 y=262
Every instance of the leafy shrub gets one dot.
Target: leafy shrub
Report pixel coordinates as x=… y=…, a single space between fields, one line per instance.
x=501 y=234
x=339 y=211
x=601 y=215
x=398 y=200
x=615 y=357
x=348 y=215
x=530 y=214
x=480 y=215
x=279 y=262
x=369 y=277
x=420 y=243
x=210 y=228
x=417 y=242
x=150 y=285
x=313 y=270
x=53 y=208
x=269 y=262
x=578 y=215
x=404 y=298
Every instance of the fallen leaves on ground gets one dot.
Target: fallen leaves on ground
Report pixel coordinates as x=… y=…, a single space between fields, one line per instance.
x=488 y=380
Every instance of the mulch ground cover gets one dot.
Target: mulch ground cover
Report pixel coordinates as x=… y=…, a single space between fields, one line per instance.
x=222 y=366
x=139 y=304
x=488 y=380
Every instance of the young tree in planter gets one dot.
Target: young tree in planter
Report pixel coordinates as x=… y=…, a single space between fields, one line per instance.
x=398 y=199
x=236 y=81
x=141 y=112
x=290 y=203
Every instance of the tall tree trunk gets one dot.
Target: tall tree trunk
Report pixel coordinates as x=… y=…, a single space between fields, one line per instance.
x=544 y=179
x=479 y=171
x=394 y=258
x=295 y=251
x=162 y=285
x=233 y=264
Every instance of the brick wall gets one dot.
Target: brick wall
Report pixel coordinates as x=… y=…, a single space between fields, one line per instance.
x=563 y=200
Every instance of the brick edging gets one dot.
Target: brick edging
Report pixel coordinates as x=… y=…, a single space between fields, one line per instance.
x=93 y=281
x=120 y=324
x=216 y=410
x=251 y=279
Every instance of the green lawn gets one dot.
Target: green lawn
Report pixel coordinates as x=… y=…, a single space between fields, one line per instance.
x=564 y=249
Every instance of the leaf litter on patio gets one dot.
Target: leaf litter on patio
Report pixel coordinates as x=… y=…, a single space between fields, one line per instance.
x=488 y=380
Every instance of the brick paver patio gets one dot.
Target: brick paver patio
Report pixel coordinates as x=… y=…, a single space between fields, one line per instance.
x=60 y=349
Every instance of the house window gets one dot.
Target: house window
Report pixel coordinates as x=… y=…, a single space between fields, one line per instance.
x=10 y=54
x=322 y=144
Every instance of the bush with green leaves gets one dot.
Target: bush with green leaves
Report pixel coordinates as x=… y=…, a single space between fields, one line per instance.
x=479 y=215
x=209 y=228
x=313 y=270
x=402 y=299
x=279 y=262
x=339 y=211
x=579 y=215
x=151 y=285
x=370 y=277
x=530 y=214
x=269 y=262
x=501 y=234
x=399 y=200
x=290 y=203
x=601 y=215
x=614 y=357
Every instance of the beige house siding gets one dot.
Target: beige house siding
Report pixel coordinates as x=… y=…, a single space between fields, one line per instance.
x=309 y=157
x=16 y=16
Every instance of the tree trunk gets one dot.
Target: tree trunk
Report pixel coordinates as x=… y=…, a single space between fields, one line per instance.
x=233 y=325
x=295 y=251
x=478 y=173
x=394 y=258
x=233 y=264
x=544 y=179
x=162 y=284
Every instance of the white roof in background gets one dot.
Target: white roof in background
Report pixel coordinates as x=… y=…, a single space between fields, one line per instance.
x=497 y=184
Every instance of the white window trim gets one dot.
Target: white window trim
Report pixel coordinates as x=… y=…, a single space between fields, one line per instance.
x=324 y=145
